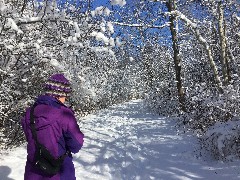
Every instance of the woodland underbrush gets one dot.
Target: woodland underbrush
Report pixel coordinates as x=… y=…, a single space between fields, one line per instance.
x=213 y=117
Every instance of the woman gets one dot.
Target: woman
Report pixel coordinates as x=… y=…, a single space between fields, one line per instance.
x=56 y=128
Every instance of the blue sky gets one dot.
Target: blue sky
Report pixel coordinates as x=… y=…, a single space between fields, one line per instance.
x=97 y=3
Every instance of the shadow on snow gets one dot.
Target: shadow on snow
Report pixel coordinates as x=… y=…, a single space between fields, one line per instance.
x=4 y=173
x=138 y=145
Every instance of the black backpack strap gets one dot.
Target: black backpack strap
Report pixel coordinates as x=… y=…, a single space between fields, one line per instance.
x=34 y=133
x=62 y=157
x=32 y=124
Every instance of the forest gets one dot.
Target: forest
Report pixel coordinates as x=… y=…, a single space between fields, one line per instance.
x=182 y=57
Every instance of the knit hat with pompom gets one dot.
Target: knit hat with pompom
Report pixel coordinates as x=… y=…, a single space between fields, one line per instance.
x=58 y=86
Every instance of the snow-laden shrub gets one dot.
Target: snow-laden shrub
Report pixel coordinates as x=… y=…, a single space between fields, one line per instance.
x=160 y=85
x=222 y=140
x=42 y=38
x=206 y=106
x=163 y=100
x=214 y=118
x=17 y=93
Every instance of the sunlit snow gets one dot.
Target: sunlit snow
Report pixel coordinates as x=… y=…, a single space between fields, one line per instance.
x=126 y=142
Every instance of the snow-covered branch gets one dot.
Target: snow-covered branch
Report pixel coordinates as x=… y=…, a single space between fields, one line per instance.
x=142 y=25
x=194 y=28
x=33 y=20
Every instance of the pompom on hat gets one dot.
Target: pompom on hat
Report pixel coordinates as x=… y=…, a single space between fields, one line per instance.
x=58 y=86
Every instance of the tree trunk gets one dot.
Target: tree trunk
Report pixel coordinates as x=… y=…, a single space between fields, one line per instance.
x=206 y=46
x=171 y=5
x=228 y=55
x=222 y=44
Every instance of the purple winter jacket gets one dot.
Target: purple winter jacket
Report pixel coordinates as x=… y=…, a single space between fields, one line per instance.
x=58 y=131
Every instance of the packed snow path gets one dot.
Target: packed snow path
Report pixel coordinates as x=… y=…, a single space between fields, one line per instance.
x=126 y=143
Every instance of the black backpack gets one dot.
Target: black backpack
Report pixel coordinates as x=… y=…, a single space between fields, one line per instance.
x=43 y=159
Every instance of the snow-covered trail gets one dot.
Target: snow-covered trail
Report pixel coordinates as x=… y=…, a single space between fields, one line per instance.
x=126 y=143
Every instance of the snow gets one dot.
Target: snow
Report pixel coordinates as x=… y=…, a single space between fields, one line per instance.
x=118 y=42
x=106 y=11
x=102 y=26
x=238 y=18
x=37 y=45
x=3 y=7
x=125 y=142
x=13 y=25
x=142 y=25
x=111 y=42
x=110 y=27
x=103 y=49
x=56 y=64
x=118 y=2
x=101 y=10
x=76 y=27
x=224 y=134
x=100 y=37
x=184 y=18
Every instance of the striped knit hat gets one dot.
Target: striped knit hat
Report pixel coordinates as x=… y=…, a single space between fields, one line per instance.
x=57 y=85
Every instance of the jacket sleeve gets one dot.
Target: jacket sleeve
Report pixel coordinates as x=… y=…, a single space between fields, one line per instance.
x=71 y=132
